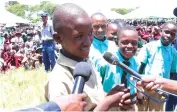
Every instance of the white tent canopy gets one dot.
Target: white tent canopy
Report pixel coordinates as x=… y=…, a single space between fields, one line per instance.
x=7 y=17
x=111 y=14
x=10 y=25
x=151 y=12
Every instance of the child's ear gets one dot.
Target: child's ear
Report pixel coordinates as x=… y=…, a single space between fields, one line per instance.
x=57 y=37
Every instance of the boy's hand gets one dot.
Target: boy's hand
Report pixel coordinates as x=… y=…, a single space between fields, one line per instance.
x=126 y=101
x=118 y=89
x=119 y=96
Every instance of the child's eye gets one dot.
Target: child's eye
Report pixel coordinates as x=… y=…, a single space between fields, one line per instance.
x=134 y=43
x=78 y=37
x=91 y=32
x=125 y=42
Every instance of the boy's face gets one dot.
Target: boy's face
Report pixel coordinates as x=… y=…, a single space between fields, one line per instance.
x=76 y=38
x=128 y=43
x=44 y=19
x=99 y=26
x=112 y=32
x=168 y=34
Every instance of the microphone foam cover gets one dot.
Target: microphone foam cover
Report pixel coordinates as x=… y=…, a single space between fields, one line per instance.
x=175 y=12
x=83 y=69
x=109 y=57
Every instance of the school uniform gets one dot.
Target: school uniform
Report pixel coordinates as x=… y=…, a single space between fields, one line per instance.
x=172 y=101
x=98 y=48
x=103 y=46
x=160 y=61
x=113 y=75
x=61 y=81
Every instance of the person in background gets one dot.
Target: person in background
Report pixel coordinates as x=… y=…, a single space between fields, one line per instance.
x=1 y=41
x=172 y=102
x=159 y=58
x=156 y=33
x=120 y=24
x=100 y=42
x=113 y=75
x=48 y=53
x=112 y=32
x=1 y=61
x=18 y=39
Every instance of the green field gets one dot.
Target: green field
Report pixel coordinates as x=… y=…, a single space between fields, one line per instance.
x=21 y=89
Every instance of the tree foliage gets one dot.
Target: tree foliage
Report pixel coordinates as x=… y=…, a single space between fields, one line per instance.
x=44 y=6
x=9 y=3
x=123 y=11
x=17 y=9
x=48 y=7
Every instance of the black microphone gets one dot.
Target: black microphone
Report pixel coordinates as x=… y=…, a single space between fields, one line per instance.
x=82 y=74
x=109 y=57
x=175 y=12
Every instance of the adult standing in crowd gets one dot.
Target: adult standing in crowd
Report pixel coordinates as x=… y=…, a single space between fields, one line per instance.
x=47 y=43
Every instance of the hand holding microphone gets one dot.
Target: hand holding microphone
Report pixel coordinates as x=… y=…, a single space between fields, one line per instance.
x=109 y=57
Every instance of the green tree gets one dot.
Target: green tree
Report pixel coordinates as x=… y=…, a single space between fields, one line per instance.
x=9 y=3
x=17 y=9
x=35 y=20
x=122 y=11
x=34 y=8
x=48 y=7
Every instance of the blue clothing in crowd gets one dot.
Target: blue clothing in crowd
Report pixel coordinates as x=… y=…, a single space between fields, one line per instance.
x=49 y=106
x=160 y=60
x=48 y=54
x=48 y=51
x=172 y=101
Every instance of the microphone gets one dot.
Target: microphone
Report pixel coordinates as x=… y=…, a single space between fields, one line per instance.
x=175 y=11
x=82 y=74
x=109 y=57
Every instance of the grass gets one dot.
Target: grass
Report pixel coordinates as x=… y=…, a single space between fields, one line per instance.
x=22 y=89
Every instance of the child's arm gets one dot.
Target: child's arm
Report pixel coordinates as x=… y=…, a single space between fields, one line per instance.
x=151 y=83
x=142 y=58
x=118 y=97
x=24 y=59
x=35 y=58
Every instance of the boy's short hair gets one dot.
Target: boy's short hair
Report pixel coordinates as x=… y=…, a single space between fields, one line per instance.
x=65 y=13
x=120 y=23
x=170 y=22
x=126 y=28
x=97 y=13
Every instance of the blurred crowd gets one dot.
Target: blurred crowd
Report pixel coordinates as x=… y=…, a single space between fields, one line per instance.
x=20 y=46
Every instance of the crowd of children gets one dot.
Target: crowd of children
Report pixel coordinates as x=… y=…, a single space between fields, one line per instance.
x=145 y=48
x=20 y=47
